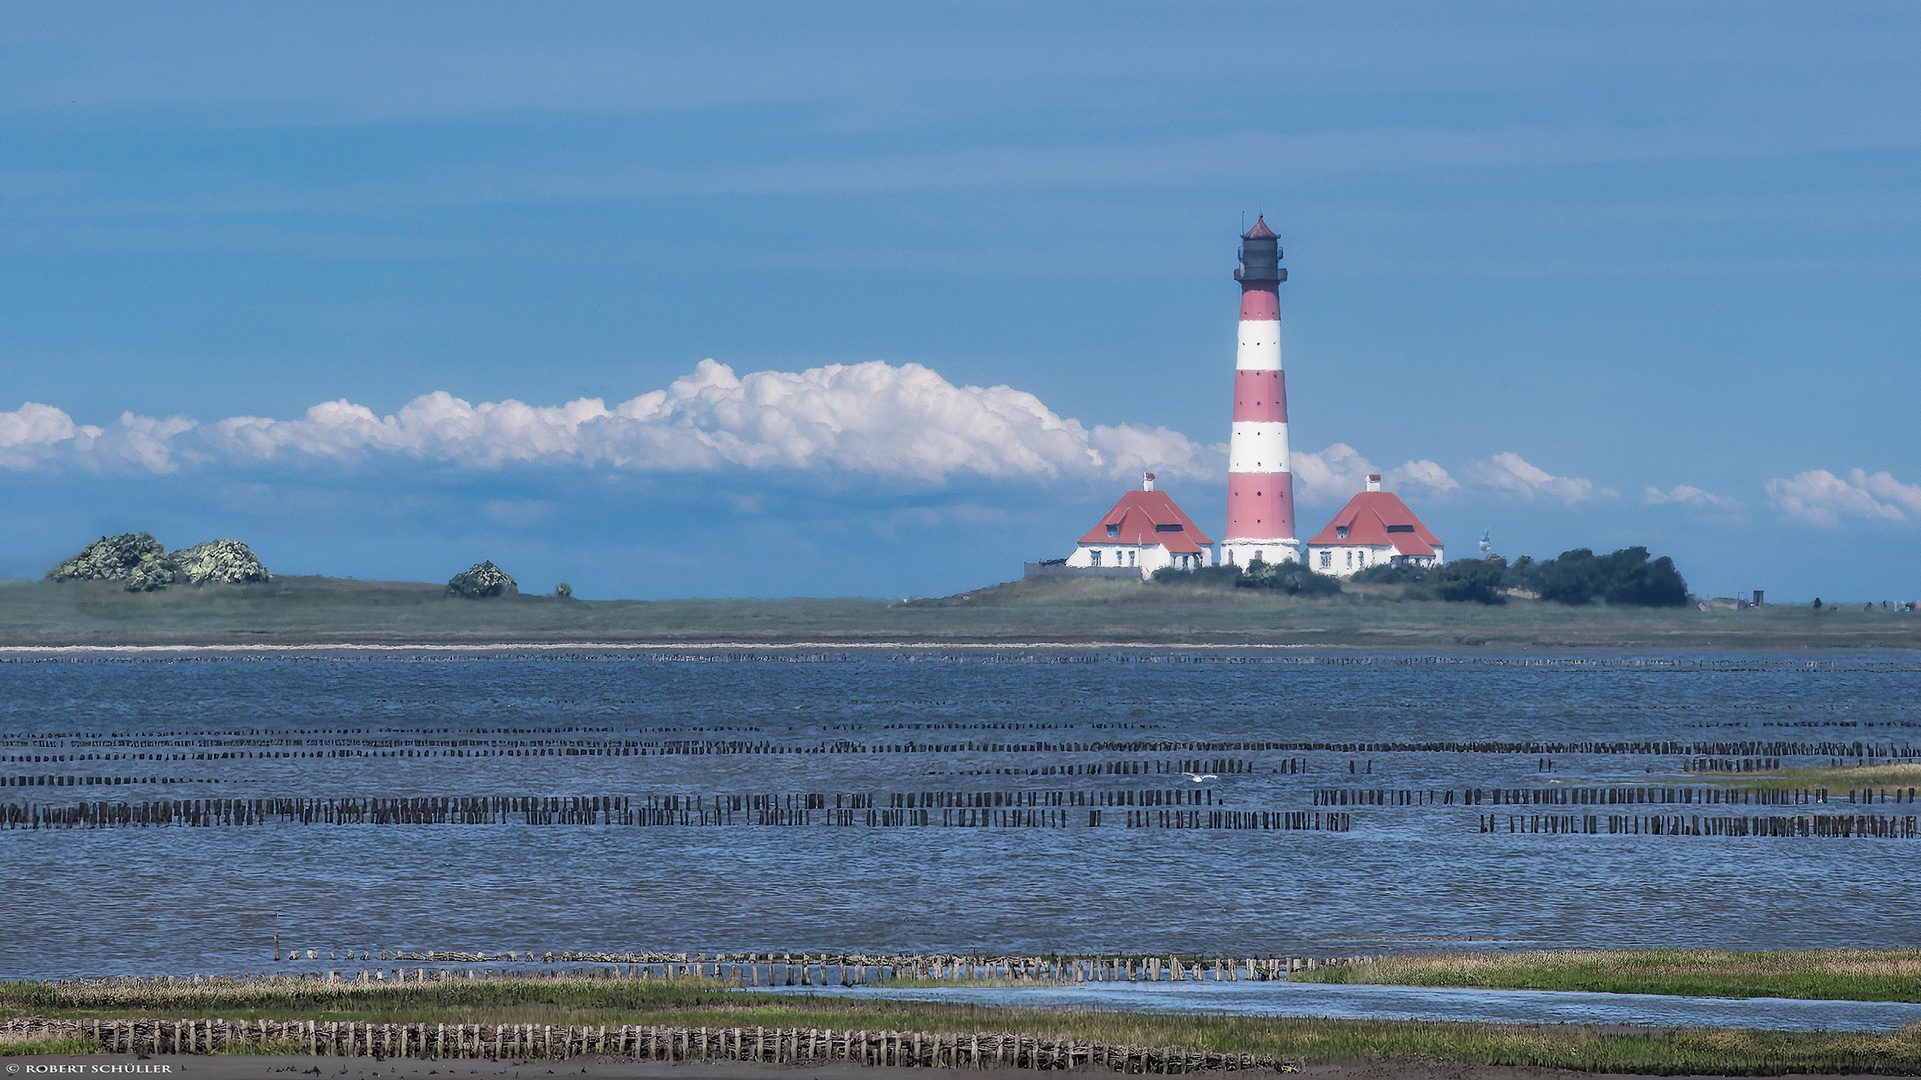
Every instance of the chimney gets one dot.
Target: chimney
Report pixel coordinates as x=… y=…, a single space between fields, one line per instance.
x=1373 y=481
x=1147 y=481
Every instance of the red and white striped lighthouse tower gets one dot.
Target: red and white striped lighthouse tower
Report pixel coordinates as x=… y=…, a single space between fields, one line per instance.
x=1260 y=489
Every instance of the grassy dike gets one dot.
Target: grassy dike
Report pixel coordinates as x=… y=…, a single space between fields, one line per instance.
x=334 y=611
x=691 y=1003
x=1823 y=974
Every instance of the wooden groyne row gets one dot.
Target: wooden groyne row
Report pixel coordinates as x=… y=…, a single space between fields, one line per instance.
x=220 y=813
x=1731 y=765
x=1836 y=826
x=308 y=745
x=530 y=1042
x=1675 y=795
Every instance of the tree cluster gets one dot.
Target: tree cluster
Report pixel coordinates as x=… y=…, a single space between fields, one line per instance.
x=1625 y=577
x=143 y=564
x=1580 y=576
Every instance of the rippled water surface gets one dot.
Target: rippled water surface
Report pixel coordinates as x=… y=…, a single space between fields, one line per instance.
x=1048 y=807
x=1429 y=1003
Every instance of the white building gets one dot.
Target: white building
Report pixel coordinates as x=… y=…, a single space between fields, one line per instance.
x=1374 y=527
x=1144 y=531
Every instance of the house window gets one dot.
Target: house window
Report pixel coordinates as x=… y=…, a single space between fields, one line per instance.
x=1130 y=558
x=1350 y=559
x=1327 y=559
x=1113 y=530
x=1097 y=558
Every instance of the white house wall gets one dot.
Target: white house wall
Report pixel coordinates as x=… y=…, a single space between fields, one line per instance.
x=1341 y=560
x=1147 y=558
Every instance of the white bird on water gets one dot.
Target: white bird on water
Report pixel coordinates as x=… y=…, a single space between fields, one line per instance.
x=1199 y=777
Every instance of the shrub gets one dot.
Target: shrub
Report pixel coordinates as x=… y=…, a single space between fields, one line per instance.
x=482 y=579
x=1471 y=580
x=154 y=572
x=1288 y=577
x=1292 y=578
x=1524 y=575
x=1464 y=580
x=1390 y=574
x=219 y=562
x=110 y=558
x=146 y=566
x=1222 y=576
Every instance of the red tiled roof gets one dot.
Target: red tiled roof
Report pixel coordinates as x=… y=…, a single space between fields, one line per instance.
x=1137 y=515
x=1260 y=231
x=1367 y=516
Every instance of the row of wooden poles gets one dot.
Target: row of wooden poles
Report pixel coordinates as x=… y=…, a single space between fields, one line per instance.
x=825 y=970
x=505 y=1042
x=1708 y=794
x=1830 y=826
x=1569 y=795
x=300 y=745
x=1036 y=809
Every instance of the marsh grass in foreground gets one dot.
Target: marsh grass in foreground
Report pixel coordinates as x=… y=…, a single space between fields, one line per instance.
x=595 y=1002
x=39 y=1047
x=1825 y=974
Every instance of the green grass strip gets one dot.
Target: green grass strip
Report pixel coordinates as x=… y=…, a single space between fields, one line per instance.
x=1820 y=974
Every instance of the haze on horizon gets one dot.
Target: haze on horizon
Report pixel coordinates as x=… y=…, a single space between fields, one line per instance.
x=836 y=299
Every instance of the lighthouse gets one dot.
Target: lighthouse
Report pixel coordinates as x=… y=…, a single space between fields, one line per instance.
x=1260 y=489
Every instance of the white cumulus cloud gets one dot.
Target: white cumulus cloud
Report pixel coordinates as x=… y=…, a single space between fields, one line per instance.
x=1333 y=475
x=1685 y=495
x=1824 y=499
x=1512 y=474
x=873 y=419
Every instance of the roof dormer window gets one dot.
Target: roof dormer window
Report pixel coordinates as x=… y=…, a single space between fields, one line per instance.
x=1112 y=530
x=1340 y=531
x=1168 y=528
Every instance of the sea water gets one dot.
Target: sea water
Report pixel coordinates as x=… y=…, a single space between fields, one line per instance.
x=1082 y=834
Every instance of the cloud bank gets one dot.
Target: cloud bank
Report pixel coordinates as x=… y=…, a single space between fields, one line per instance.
x=1685 y=495
x=1822 y=498
x=1512 y=475
x=873 y=419
x=1336 y=473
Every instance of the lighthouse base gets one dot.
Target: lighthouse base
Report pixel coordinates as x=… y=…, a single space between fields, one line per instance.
x=1245 y=552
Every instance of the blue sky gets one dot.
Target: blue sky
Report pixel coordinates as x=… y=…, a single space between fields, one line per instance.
x=1581 y=275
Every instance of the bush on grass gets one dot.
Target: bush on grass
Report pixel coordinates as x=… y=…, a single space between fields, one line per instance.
x=482 y=579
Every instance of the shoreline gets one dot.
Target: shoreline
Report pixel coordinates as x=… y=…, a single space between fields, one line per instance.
x=291 y=613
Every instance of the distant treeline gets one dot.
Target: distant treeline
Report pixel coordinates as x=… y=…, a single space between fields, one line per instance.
x=1580 y=576
x=1625 y=577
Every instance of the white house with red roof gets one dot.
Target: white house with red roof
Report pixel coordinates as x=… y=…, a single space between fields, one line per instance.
x=1145 y=531
x=1374 y=527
